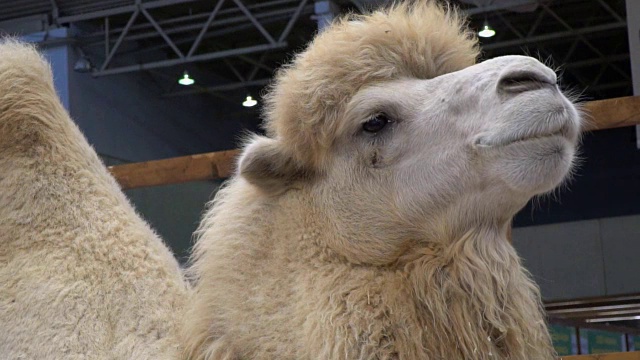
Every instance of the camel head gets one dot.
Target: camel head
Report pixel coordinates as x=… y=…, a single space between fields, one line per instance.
x=396 y=135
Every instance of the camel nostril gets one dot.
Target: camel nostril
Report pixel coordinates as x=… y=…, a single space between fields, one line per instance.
x=521 y=81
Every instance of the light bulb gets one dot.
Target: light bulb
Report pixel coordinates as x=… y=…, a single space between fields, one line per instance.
x=249 y=102
x=486 y=32
x=186 y=80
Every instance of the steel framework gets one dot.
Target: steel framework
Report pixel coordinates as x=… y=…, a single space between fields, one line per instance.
x=609 y=21
x=249 y=16
x=141 y=35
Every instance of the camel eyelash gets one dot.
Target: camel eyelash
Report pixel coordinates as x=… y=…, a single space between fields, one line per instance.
x=376 y=123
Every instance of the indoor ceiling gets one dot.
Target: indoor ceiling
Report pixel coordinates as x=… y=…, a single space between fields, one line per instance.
x=235 y=45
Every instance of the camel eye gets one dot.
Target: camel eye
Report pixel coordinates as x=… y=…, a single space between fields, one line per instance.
x=376 y=123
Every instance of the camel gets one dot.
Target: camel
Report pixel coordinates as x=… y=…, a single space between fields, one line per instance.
x=82 y=276
x=370 y=221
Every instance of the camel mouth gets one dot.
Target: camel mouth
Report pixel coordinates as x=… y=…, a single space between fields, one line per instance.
x=559 y=133
x=563 y=132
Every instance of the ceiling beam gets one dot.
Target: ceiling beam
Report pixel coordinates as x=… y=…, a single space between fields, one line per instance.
x=195 y=58
x=555 y=36
x=502 y=5
x=121 y=10
x=223 y=87
x=597 y=61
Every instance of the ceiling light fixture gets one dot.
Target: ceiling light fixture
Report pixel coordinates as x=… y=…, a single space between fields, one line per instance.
x=487 y=31
x=249 y=102
x=82 y=65
x=186 y=80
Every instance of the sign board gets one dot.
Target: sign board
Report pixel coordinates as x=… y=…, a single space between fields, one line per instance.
x=599 y=341
x=565 y=339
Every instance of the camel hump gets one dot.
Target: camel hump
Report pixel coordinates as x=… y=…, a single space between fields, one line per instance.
x=29 y=105
x=23 y=71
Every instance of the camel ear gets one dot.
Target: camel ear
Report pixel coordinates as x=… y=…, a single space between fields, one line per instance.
x=267 y=165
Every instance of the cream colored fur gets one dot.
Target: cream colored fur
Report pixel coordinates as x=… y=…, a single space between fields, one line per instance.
x=307 y=102
x=81 y=275
x=334 y=242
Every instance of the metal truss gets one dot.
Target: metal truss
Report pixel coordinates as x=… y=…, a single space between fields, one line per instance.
x=491 y=7
x=176 y=33
x=150 y=35
x=573 y=36
x=518 y=37
x=245 y=81
x=555 y=36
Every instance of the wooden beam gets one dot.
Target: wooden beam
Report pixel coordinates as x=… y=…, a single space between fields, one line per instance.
x=210 y=166
x=612 y=113
x=602 y=114
x=635 y=355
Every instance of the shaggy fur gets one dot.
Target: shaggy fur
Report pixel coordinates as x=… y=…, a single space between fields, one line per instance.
x=81 y=275
x=268 y=291
x=335 y=242
x=309 y=95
